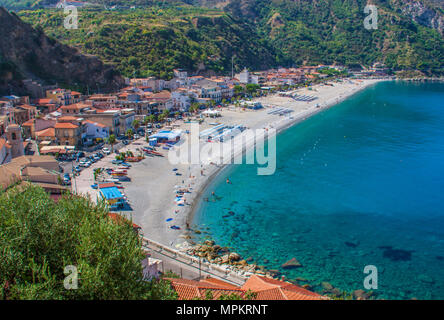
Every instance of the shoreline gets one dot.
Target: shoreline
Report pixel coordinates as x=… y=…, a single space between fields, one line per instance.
x=296 y=120
x=154 y=181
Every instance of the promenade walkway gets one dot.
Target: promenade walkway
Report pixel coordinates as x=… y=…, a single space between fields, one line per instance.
x=190 y=267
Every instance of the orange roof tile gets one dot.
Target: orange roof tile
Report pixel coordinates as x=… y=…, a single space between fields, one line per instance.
x=28 y=123
x=65 y=125
x=190 y=289
x=49 y=132
x=272 y=289
x=43 y=101
x=68 y=118
x=95 y=123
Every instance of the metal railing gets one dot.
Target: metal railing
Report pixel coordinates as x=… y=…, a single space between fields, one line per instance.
x=200 y=265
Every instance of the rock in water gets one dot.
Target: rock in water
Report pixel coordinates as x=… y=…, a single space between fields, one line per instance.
x=292 y=263
x=327 y=286
x=361 y=294
x=234 y=256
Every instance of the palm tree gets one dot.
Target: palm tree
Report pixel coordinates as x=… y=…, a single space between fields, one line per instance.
x=194 y=107
x=129 y=133
x=136 y=124
x=112 y=141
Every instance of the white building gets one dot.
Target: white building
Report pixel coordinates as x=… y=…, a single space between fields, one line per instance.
x=246 y=77
x=63 y=4
x=180 y=73
x=181 y=100
x=95 y=130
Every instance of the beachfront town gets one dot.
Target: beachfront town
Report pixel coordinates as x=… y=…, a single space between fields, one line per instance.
x=67 y=141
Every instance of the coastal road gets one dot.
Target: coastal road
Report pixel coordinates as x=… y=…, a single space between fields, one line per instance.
x=188 y=267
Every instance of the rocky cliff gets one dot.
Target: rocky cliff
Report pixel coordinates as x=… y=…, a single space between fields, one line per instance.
x=26 y=52
x=429 y=14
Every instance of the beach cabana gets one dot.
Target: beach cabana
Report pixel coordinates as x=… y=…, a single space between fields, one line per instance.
x=112 y=195
x=167 y=136
x=211 y=113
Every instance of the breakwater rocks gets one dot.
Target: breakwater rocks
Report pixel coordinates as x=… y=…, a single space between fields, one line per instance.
x=216 y=254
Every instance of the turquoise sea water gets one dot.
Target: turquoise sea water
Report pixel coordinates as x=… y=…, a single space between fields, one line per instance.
x=359 y=184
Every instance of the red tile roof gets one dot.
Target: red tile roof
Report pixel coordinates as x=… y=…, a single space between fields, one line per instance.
x=28 y=123
x=97 y=124
x=68 y=118
x=49 y=132
x=65 y=125
x=272 y=289
x=190 y=289
x=43 y=101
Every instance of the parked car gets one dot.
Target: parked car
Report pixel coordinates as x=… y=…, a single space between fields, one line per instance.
x=136 y=136
x=106 y=151
x=125 y=142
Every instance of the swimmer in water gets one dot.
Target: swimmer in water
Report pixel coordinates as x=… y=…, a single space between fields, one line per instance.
x=228 y=181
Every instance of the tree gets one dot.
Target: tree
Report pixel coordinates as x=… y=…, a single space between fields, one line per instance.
x=129 y=133
x=150 y=119
x=238 y=90
x=136 y=124
x=252 y=88
x=112 y=141
x=40 y=238
x=194 y=107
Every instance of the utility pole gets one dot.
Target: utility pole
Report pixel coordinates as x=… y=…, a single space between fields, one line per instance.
x=74 y=176
x=232 y=67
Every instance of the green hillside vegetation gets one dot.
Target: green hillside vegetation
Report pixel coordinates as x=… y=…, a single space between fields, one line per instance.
x=154 y=41
x=332 y=31
x=258 y=33
x=41 y=237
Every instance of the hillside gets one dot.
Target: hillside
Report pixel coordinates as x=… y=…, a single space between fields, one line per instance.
x=154 y=41
x=257 y=33
x=28 y=53
x=331 y=31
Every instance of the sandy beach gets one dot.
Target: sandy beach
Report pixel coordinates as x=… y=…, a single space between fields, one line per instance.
x=152 y=190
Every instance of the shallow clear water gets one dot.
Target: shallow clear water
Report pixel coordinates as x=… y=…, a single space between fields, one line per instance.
x=359 y=184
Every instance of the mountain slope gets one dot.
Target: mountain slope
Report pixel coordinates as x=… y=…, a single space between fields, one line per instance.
x=28 y=53
x=332 y=31
x=154 y=41
x=257 y=33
